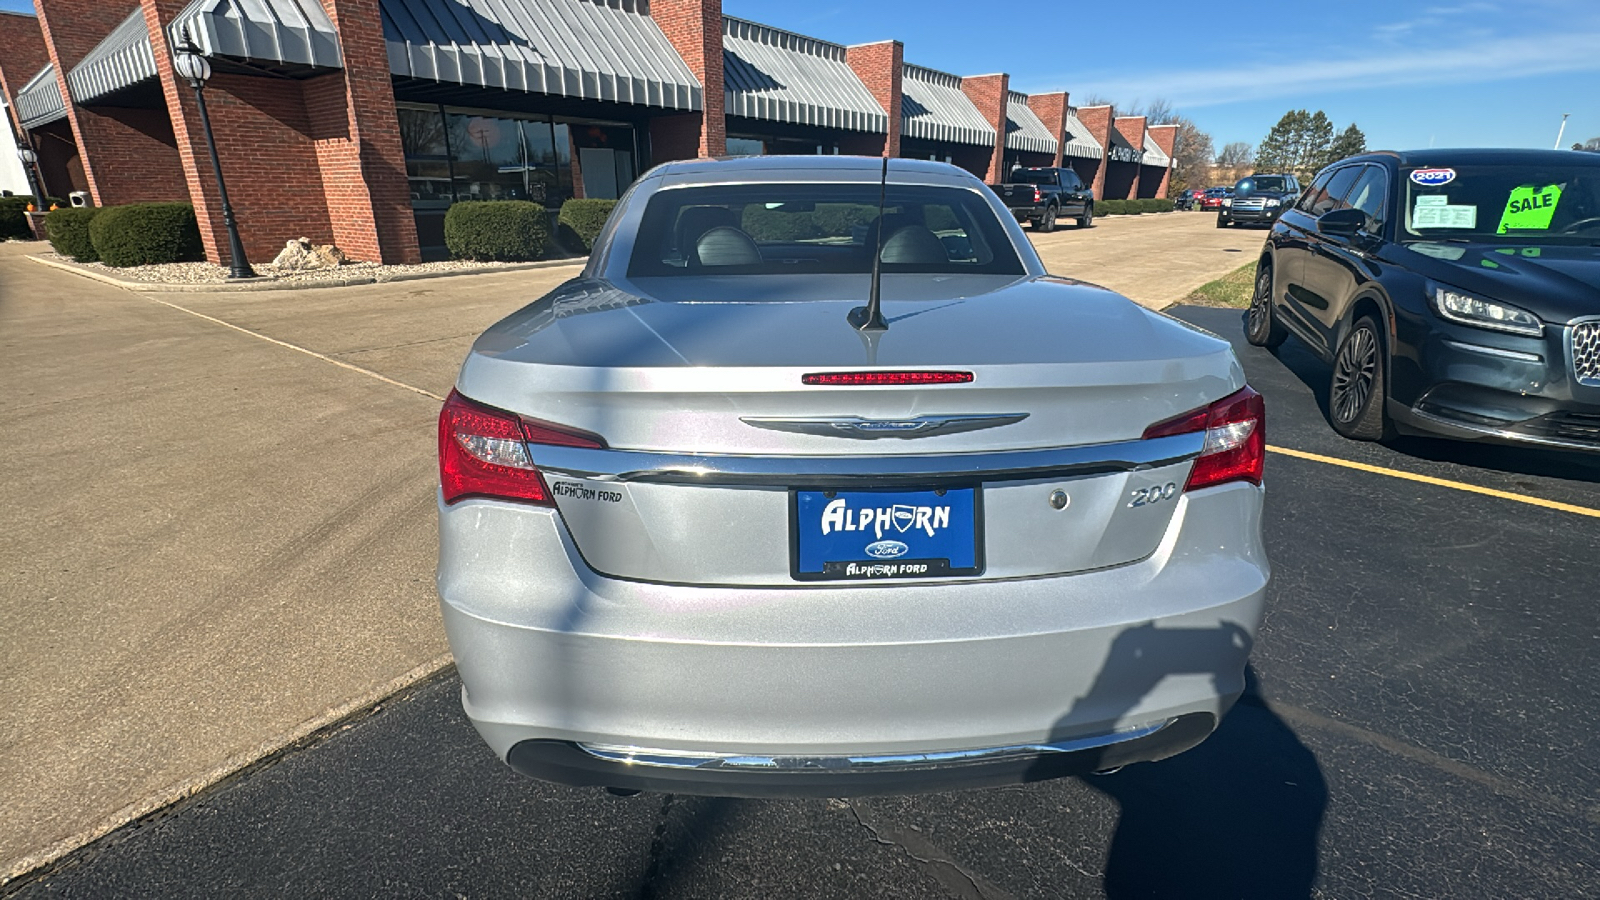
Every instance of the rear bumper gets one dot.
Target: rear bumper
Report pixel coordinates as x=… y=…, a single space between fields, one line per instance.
x=555 y=658
x=846 y=776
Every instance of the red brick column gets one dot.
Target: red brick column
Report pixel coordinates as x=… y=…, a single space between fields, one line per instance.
x=128 y=155
x=22 y=55
x=319 y=158
x=695 y=29
x=1097 y=119
x=881 y=68
x=356 y=131
x=988 y=94
x=1052 y=111
x=1132 y=128
x=1166 y=137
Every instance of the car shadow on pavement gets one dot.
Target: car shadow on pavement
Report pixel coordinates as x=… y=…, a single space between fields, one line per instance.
x=1238 y=816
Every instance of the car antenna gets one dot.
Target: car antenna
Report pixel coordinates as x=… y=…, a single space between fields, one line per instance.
x=870 y=317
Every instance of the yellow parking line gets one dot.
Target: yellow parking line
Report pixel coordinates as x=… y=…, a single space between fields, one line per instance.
x=1439 y=482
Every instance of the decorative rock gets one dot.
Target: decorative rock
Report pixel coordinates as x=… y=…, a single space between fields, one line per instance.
x=301 y=255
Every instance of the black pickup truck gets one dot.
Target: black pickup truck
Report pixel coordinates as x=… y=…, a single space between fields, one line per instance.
x=1043 y=195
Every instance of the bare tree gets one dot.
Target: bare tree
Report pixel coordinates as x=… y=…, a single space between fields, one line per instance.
x=1092 y=100
x=1160 y=112
x=1236 y=155
x=1592 y=145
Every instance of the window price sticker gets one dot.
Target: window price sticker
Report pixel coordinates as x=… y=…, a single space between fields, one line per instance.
x=1436 y=211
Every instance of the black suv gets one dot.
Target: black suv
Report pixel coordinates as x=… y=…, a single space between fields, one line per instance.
x=1453 y=292
x=1258 y=200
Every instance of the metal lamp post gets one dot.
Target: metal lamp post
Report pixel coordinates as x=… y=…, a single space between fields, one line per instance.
x=196 y=69
x=30 y=162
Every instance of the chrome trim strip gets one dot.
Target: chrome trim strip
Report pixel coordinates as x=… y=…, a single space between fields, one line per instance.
x=843 y=471
x=695 y=759
x=1495 y=351
x=872 y=429
x=1501 y=433
x=1572 y=353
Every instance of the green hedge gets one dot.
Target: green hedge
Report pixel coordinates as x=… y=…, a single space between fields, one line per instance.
x=1131 y=207
x=581 y=221
x=496 y=230
x=143 y=234
x=14 y=219
x=68 y=228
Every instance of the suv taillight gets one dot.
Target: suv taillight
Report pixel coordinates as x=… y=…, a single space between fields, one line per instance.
x=1236 y=439
x=483 y=452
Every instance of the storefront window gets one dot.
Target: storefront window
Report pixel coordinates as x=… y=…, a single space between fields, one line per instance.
x=741 y=146
x=427 y=155
x=490 y=161
x=605 y=158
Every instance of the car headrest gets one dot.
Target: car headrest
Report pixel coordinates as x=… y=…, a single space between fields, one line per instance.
x=695 y=221
x=915 y=245
x=726 y=246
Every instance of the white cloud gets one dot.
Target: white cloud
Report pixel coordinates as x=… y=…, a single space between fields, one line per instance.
x=1474 y=61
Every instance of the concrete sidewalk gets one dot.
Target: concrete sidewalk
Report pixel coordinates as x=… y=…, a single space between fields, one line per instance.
x=211 y=540
x=1155 y=260
x=214 y=542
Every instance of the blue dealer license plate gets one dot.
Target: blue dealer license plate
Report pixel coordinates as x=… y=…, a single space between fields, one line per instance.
x=875 y=535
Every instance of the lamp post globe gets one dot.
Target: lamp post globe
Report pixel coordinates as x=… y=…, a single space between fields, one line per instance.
x=27 y=156
x=192 y=66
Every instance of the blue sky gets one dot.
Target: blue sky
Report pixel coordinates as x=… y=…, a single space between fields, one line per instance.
x=1410 y=74
x=1447 y=73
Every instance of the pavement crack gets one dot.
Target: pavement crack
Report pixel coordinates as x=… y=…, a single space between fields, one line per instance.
x=951 y=875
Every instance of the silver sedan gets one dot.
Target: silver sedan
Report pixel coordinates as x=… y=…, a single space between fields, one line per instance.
x=815 y=483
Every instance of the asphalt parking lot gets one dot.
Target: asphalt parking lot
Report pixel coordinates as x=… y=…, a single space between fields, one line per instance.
x=1420 y=724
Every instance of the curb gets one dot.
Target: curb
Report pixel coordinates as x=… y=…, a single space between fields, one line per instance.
x=156 y=287
x=12 y=870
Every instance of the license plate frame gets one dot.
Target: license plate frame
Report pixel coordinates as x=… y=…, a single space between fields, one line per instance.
x=899 y=568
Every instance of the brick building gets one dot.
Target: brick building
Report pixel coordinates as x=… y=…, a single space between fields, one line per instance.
x=359 y=122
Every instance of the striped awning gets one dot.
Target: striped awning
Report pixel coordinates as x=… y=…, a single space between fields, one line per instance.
x=283 y=32
x=932 y=107
x=120 y=61
x=1080 y=142
x=1153 y=154
x=39 y=101
x=1121 y=149
x=784 y=77
x=590 y=50
x=1024 y=129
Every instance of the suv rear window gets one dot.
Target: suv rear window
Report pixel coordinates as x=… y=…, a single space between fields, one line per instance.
x=805 y=229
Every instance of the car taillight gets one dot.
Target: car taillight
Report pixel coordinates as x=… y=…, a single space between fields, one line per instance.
x=1236 y=439
x=1038 y=195
x=483 y=452
x=862 y=379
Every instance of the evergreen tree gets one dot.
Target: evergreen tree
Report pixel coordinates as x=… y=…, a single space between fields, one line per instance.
x=1277 y=148
x=1350 y=142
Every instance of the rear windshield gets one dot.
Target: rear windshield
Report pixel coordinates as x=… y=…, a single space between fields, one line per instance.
x=1274 y=183
x=796 y=229
x=1033 y=176
x=1517 y=204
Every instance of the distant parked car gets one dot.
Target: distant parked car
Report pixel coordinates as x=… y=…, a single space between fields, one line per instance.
x=1042 y=195
x=730 y=514
x=1258 y=200
x=1187 y=199
x=1452 y=292
x=1213 y=197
